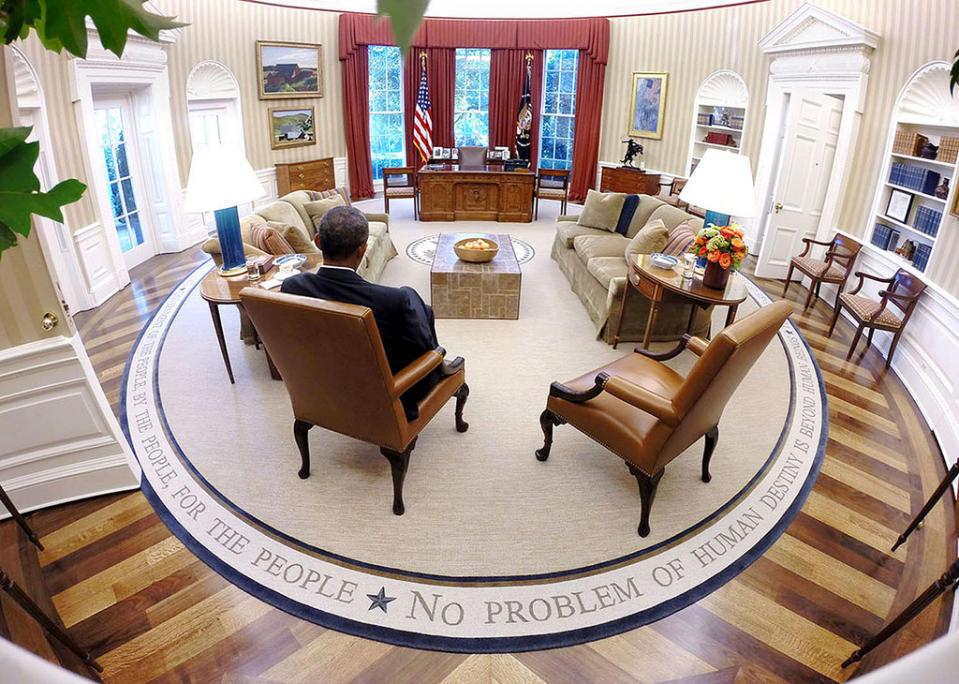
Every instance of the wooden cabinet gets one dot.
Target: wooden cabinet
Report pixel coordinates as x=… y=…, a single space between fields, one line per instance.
x=451 y=194
x=308 y=175
x=628 y=180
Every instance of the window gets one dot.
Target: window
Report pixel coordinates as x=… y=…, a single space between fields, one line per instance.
x=386 y=109
x=559 y=109
x=205 y=128
x=471 y=106
x=119 y=181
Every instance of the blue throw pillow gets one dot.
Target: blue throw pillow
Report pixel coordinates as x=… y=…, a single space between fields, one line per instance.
x=626 y=215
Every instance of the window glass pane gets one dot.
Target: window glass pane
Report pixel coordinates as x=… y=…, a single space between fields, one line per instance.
x=134 y=220
x=123 y=232
x=471 y=102
x=122 y=160
x=116 y=204
x=559 y=109
x=386 y=109
x=111 y=164
x=128 y=198
x=115 y=123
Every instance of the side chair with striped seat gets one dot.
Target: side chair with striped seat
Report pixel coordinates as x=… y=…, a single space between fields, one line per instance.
x=551 y=184
x=903 y=290
x=835 y=268
x=400 y=183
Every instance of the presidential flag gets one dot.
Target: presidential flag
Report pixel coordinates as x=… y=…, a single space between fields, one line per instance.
x=524 y=119
x=422 y=122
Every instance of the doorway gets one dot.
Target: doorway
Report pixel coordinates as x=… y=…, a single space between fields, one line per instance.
x=122 y=169
x=806 y=150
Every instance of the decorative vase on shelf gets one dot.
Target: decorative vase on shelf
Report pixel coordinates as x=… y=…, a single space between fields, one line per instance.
x=942 y=192
x=715 y=276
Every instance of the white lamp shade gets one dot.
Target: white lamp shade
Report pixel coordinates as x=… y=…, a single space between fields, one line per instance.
x=220 y=177
x=722 y=182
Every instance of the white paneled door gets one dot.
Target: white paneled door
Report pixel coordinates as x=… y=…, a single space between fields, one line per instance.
x=805 y=170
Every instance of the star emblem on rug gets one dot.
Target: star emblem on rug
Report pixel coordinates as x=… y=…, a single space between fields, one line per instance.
x=379 y=600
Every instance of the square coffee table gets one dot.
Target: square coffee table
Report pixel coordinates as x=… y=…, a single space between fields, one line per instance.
x=459 y=289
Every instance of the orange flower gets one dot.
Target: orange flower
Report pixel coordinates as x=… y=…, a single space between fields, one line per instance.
x=725 y=260
x=726 y=232
x=737 y=243
x=702 y=251
x=700 y=240
x=739 y=256
x=713 y=256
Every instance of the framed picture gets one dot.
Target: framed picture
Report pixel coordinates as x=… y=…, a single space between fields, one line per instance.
x=495 y=155
x=899 y=205
x=504 y=152
x=454 y=152
x=647 y=105
x=291 y=127
x=287 y=70
x=437 y=153
x=446 y=153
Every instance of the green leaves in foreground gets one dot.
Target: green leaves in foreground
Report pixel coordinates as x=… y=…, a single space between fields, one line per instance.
x=20 y=194
x=405 y=17
x=61 y=24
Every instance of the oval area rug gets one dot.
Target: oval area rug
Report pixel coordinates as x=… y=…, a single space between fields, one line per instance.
x=496 y=552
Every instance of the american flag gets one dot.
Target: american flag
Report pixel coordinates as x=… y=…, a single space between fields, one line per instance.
x=422 y=122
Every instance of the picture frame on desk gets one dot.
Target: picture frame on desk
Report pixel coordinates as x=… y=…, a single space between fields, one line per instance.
x=437 y=153
x=899 y=205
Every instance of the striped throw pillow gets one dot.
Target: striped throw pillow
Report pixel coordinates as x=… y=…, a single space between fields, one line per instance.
x=327 y=194
x=269 y=240
x=681 y=240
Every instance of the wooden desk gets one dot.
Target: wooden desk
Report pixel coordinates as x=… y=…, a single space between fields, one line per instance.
x=659 y=284
x=217 y=291
x=481 y=193
x=628 y=180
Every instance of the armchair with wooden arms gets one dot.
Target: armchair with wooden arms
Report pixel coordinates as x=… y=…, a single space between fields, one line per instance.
x=551 y=184
x=903 y=291
x=399 y=182
x=648 y=414
x=835 y=268
x=332 y=362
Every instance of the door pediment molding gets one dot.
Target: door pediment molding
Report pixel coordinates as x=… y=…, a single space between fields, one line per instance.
x=813 y=28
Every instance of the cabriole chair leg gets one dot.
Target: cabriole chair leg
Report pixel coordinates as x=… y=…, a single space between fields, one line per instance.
x=399 y=464
x=300 y=430
x=647 y=492
x=547 y=419
x=461 y=396
x=712 y=438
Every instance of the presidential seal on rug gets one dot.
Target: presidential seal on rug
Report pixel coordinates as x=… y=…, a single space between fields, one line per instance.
x=496 y=551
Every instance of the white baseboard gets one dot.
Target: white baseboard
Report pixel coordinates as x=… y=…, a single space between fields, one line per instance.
x=61 y=439
x=925 y=359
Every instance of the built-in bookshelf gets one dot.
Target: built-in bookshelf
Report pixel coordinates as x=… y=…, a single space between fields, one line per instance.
x=916 y=191
x=719 y=116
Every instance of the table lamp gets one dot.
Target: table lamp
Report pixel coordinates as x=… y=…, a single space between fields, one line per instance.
x=722 y=184
x=220 y=179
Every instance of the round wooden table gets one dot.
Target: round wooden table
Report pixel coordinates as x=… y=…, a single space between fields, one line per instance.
x=659 y=285
x=217 y=290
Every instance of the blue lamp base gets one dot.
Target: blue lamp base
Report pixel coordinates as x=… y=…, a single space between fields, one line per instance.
x=716 y=219
x=231 y=244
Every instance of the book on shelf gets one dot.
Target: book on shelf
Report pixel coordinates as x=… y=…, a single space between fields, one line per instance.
x=927 y=221
x=880 y=235
x=920 y=259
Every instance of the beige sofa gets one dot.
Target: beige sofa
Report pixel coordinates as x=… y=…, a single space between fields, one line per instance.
x=290 y=209
x=593 y=260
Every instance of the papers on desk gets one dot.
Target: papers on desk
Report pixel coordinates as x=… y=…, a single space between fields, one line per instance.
x=270 y=284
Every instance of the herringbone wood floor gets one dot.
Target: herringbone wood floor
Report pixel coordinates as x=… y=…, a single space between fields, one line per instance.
x=151 y=611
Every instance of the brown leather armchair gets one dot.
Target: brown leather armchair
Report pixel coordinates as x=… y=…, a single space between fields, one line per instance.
x=648 y=414
x=471 y=156
x=331 y=359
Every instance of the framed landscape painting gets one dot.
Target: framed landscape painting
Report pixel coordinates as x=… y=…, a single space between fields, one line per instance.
x=647 y=105
x=289 y=70
x=291 y=127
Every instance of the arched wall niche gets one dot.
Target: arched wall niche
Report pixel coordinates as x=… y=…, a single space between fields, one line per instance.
x=213 y=105
x=721 y=90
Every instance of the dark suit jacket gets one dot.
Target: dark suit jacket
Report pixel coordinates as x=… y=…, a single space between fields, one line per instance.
x=404 y=320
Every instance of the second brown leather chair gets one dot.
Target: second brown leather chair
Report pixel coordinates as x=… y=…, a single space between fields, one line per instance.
x=648 y=414
x=332 y=361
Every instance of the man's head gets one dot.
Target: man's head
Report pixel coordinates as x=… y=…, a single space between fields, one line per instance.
x=342 y=235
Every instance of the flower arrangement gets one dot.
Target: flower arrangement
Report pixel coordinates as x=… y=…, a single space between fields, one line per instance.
x=722 y=245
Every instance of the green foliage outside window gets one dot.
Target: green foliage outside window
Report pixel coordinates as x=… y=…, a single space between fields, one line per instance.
x=386 y=109
x=471 y=102
x=559 y=109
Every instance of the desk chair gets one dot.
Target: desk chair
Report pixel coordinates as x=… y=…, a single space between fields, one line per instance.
x=472 y=157
x=332 y=362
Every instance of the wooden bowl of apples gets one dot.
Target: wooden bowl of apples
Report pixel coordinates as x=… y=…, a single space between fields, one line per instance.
x=476 y=249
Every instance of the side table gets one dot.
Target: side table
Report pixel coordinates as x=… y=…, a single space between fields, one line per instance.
x=217 y=291
x=661 y=284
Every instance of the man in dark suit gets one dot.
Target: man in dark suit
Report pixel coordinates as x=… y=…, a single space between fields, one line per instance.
x=404 y=320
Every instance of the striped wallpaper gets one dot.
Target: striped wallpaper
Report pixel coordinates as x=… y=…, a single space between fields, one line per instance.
x=689 y=46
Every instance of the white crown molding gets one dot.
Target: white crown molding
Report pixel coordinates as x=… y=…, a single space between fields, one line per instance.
x=811 y=27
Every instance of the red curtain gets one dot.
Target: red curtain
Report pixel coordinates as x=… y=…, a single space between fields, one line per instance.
x=356 y=119
x=441 y=80
x=589 y=36
x=590 y=77
x=507 y=74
